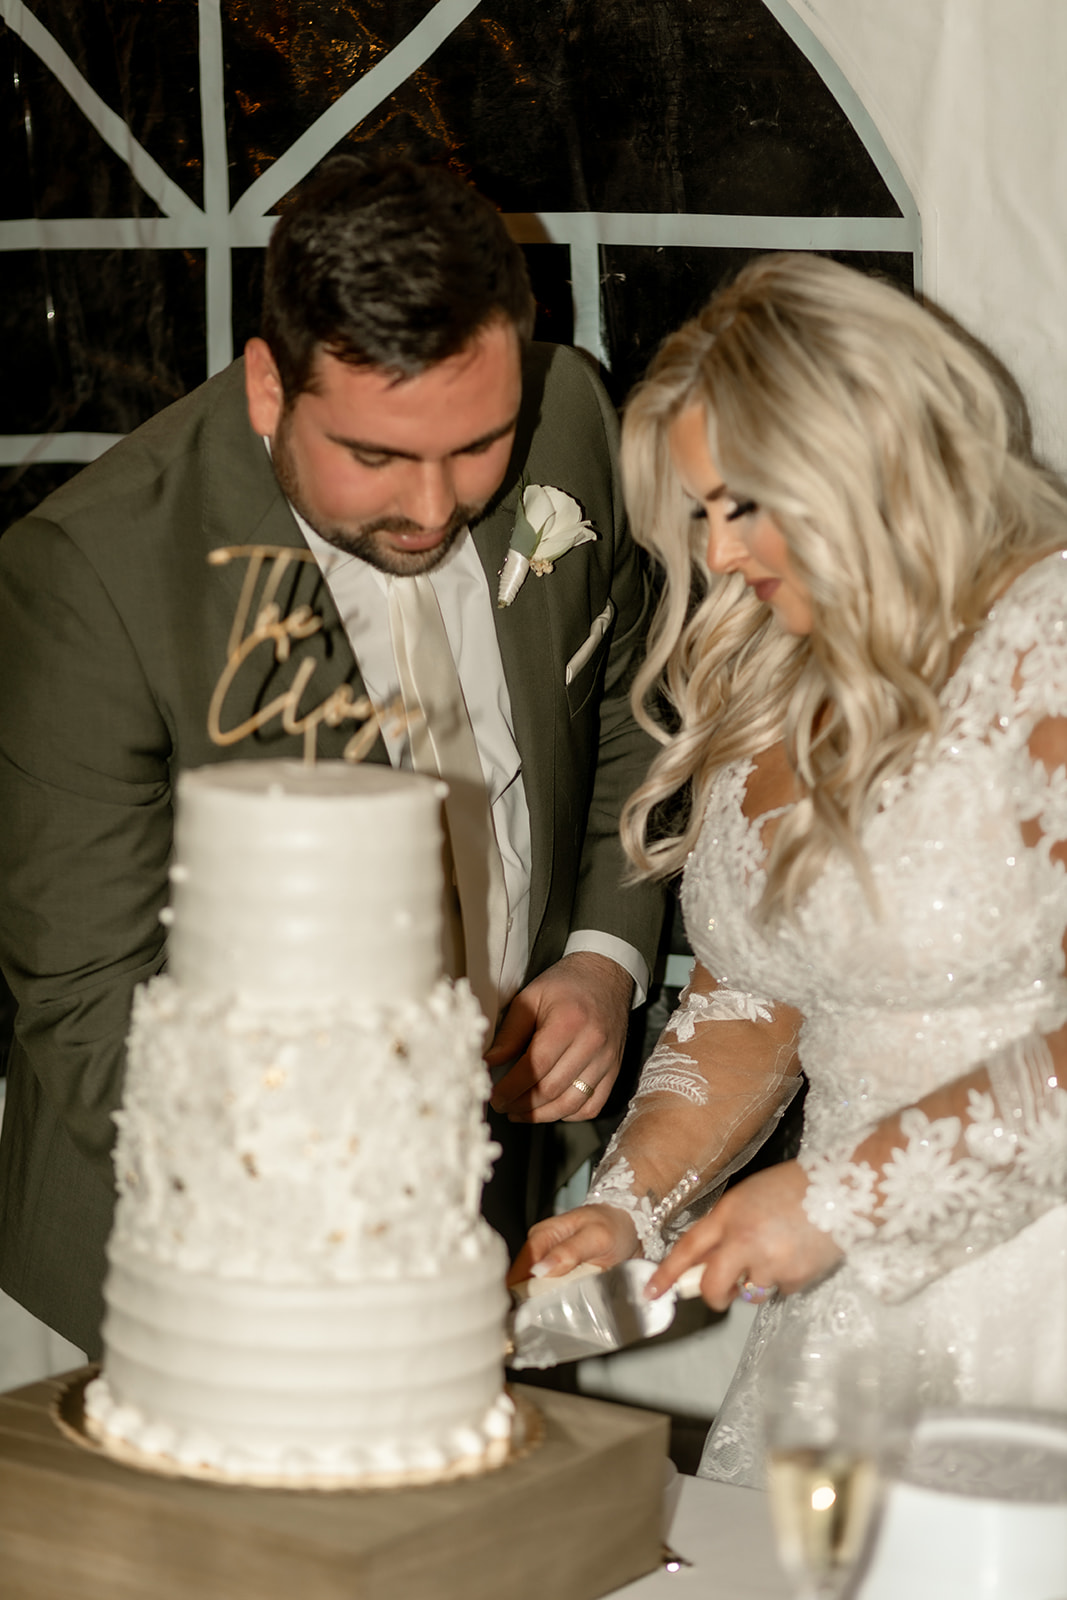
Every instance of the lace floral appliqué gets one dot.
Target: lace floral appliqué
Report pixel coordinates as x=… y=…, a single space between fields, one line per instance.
x=722 y=1005
x=938 y=1207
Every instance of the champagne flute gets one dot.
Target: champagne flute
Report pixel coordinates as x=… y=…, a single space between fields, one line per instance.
x=821 y=1425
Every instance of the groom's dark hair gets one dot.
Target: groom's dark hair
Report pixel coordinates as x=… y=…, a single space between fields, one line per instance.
x=387 y=264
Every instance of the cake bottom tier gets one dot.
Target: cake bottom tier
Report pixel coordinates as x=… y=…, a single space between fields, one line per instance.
x=292 y=1383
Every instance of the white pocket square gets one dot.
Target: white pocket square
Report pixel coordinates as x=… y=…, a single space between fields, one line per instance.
x=584 y=651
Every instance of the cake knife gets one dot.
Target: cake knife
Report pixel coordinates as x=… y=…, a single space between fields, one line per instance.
x=590 y=1316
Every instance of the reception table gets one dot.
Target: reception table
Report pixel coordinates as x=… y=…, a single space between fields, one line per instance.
x=724 y=1534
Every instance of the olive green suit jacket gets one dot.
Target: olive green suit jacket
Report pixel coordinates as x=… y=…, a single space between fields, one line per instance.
x=114 y=628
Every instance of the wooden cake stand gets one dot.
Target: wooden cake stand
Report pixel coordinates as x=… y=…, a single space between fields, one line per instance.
x=572 y=1518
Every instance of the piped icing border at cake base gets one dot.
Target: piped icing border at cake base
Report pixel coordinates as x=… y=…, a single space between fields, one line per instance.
x=526 y=1431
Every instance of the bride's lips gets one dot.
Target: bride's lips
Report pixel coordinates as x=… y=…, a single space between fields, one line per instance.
x=766 y=588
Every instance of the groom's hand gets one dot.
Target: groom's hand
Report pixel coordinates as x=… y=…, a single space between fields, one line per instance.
x=567 y=1025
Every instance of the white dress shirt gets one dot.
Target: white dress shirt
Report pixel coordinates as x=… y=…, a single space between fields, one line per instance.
x=359 y=592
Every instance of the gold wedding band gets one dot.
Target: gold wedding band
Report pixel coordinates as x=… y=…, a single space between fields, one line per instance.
x=583 y=1087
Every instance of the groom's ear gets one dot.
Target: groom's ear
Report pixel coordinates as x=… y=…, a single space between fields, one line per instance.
x=263 y=388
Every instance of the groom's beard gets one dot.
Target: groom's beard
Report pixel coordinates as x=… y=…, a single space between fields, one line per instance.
x=366 y=543
x=367 y=539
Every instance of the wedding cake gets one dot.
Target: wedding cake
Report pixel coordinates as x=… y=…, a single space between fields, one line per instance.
x=301 y=1288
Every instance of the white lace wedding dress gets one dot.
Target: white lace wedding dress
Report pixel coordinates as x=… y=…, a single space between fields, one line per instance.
x=965 y=1250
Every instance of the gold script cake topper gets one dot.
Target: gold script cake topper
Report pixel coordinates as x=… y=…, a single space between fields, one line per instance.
x=271 y=627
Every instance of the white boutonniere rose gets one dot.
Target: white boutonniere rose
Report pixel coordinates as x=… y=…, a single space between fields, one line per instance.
x=548 y=523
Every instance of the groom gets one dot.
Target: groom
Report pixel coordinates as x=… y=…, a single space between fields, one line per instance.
x=380 y=432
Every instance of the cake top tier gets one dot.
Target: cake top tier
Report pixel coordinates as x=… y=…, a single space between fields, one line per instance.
x=294 y=883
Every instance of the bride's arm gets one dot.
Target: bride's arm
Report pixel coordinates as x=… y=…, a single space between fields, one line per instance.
x=709 y=1095
x=969 y=1165
x=930 y=1188
x=952 y=1176
x=939 y=1182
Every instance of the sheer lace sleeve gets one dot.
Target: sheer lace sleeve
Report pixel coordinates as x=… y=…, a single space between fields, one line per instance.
x=973 y=1163
x=711 y=1092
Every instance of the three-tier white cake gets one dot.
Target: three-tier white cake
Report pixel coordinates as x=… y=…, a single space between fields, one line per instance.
x=301 y=1288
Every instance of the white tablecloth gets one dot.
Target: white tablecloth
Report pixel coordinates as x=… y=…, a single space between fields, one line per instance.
x=726 y=1534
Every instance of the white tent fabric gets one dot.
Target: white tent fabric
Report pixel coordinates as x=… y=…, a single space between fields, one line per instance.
x=967 y=95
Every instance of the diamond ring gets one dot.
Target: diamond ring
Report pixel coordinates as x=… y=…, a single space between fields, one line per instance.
x=755 y=1293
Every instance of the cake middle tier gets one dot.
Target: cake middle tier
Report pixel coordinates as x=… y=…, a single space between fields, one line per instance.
x=329 y=1143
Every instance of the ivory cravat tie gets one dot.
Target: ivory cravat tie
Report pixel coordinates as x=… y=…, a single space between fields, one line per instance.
x=443 y=744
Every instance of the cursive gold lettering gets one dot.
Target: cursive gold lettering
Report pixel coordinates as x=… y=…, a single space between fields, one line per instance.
x=271 y=627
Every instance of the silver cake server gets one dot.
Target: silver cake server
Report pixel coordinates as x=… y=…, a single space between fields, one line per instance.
x=593 y=1315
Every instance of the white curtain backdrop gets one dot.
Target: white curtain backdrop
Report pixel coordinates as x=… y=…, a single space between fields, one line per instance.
x=968 y=96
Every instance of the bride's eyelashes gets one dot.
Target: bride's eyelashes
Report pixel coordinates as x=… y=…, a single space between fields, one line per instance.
x=743 y=508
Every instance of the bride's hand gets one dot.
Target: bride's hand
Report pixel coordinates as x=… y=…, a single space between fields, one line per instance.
x=601 y=1235
x=758 y=1232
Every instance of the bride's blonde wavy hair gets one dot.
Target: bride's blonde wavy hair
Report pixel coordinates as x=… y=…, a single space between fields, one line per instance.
x=883 y=446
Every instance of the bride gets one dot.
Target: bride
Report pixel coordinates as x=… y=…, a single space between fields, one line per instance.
x=867 y=796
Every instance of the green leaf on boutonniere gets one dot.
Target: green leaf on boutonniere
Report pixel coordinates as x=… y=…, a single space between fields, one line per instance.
x=524 y=536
